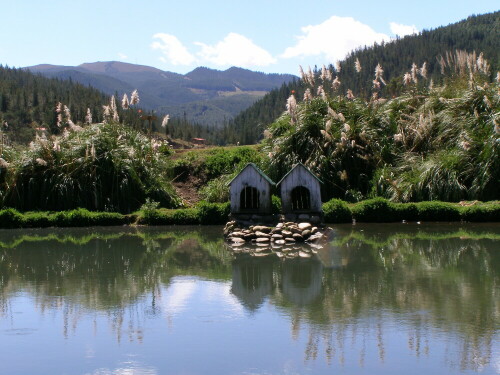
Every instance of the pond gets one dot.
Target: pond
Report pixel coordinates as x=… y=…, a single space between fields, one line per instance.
x=376 y=299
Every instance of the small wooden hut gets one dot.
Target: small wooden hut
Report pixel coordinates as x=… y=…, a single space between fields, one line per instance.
x=300 y=193
x=250 y=192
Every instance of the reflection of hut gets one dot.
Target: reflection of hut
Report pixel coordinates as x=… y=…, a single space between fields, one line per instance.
x=250 y=192
x=301 y=194
x=252 y=282
x=302 y=281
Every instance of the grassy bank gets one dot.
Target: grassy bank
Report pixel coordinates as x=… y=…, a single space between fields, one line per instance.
x=376 y=210
x=379 y=210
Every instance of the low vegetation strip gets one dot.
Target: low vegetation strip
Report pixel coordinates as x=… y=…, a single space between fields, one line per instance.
x=376 y=210
x=379 y=210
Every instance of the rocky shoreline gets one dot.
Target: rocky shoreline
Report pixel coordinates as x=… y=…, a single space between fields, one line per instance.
x=285 y=239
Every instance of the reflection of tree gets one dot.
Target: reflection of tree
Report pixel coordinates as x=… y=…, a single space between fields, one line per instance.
x=425 y=280
x=119 y=273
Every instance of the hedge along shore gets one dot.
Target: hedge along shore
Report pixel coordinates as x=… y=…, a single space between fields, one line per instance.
x=375 y=210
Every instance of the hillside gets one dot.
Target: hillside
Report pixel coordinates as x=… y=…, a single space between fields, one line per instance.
x=205 y=96
x=476 y=33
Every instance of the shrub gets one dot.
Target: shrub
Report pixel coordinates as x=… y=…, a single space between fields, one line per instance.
x=213 y=213
x=404 y=211
x=437 y=211
x=337 y=211
x=10 y=218
x=275 y=204
x=378 y=210
x=488 y=212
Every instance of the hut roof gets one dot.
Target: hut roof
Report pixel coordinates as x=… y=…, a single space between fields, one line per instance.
x=257 y=170
x=295 y=166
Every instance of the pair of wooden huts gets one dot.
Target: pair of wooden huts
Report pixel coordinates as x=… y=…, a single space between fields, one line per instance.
x=299 y=189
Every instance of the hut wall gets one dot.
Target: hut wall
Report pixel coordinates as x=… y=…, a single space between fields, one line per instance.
x=299 y=176
x=249 y=177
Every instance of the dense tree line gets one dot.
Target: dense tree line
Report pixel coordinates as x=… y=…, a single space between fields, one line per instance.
x=476 y=33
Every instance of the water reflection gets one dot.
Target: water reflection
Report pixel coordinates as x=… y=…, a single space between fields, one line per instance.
x=435 y=289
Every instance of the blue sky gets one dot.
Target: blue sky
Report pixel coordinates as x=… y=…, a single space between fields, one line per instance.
x=272 y=36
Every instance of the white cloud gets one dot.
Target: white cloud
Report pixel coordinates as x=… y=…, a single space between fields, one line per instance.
x=122 y=56
x=235 y=49
x=173 y=50
x=402 y=30
x=333 y=39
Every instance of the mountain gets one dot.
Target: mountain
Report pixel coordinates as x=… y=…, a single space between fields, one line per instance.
x=205 y=96
x=476 y=33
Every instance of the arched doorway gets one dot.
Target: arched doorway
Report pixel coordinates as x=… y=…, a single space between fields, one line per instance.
x=301 y=199
x=249 y=198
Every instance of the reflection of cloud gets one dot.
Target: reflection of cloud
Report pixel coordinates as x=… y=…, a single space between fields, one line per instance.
x=178 y=295
x=402 y=30
x=334 y=39
x=222 y=293
x=128 y=368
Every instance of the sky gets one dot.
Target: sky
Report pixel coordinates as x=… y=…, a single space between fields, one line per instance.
x=271 y=36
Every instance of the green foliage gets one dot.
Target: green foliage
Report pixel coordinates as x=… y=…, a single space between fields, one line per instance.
x=103 y=167
x=337 y=211
x=275 y=204
x=476 y=33
x=486 y=212
x=10 y=218
x=213 y=213
x=216 y=190
x=378 y=210
x=437 y=211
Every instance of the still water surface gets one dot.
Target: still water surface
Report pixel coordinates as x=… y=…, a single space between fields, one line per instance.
x=377 y=299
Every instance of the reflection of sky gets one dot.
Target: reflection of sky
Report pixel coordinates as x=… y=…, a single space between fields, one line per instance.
x=185 y=294
x=209 y=332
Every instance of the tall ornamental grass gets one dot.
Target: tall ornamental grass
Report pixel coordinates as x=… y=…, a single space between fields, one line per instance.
x=102 y=167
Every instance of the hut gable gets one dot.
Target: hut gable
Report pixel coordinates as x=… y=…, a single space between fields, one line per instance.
x=300 y=191
x=250 y=191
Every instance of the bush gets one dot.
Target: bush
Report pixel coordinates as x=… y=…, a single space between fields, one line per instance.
x=337 y=211
x=487 y=212
x=275 y=204
x=377 y=210
x=404 y=211
x=213 y=213
x=10 y=218
x=437 y=211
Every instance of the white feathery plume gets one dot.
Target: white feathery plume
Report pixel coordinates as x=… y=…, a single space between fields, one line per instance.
x=414 y=71
x=423 y=70
x=350 y=94
x=125 y=102
x=323 y=73
x=321 y=92
x=498 y=77
x=376 y=84
x=310 y=77
x=165 y=121
x=338 y=68
x=112 y=103
x=88 y=117
x=336 y=83
x=59 y=120
x=307 y=95
x=59 y=107
x=303 y=76
x=134 y=97
x=407 y=79
x=398 y=137
x=41 y=162
x=291 y=105
x=67 y=113
x=357 y=65
x=378 y=73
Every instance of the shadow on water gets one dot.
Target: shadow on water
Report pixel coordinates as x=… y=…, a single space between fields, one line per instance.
x=431 y=278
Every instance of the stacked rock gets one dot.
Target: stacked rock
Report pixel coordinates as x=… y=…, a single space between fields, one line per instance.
x=281 y=234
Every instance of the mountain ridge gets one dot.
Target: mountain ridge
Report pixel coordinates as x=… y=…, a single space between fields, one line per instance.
x=201 y=90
